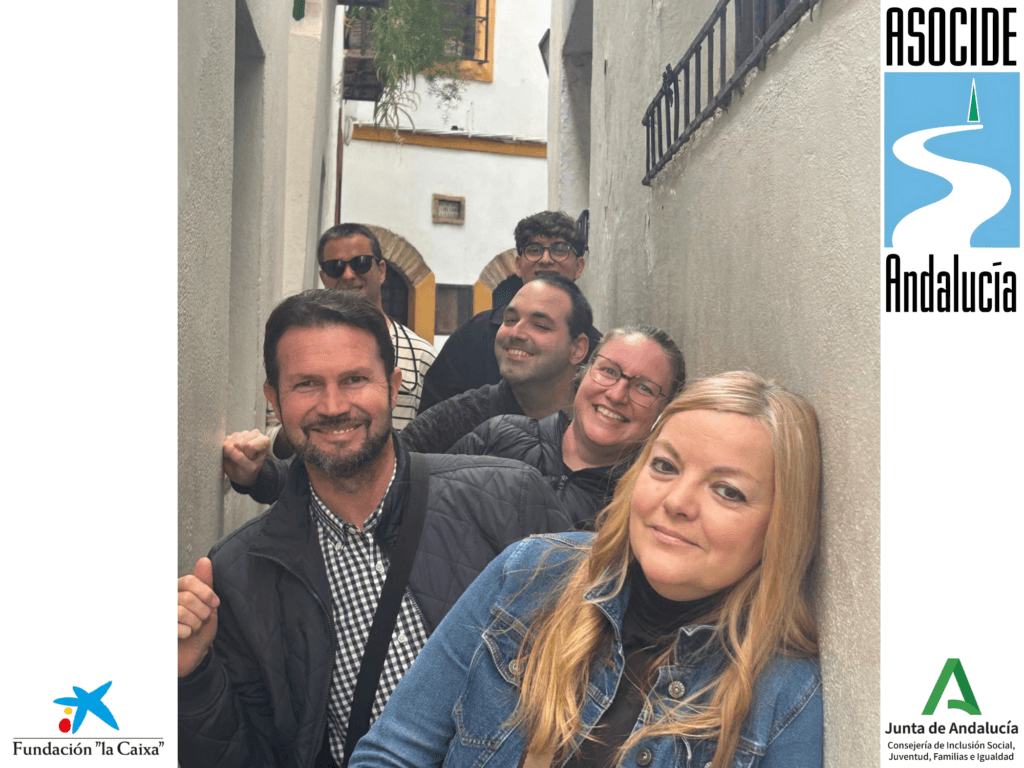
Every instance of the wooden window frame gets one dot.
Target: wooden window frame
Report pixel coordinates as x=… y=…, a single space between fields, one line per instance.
x=476 y=70
x=436 y=205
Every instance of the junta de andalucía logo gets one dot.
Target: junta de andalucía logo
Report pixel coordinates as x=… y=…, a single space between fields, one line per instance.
x=967 y=703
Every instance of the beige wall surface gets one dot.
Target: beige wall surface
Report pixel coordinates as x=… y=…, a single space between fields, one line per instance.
x=231 y=157
x=756 y=249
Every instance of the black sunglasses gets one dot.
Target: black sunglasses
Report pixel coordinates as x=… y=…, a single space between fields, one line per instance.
x=335 y=268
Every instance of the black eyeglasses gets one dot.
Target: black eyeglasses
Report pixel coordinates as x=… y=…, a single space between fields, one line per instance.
x=558 y=251
x=335 y=268
x=642 y=391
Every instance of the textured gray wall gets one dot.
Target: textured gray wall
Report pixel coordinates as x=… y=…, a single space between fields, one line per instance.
x=230 y=195
x=756 y=249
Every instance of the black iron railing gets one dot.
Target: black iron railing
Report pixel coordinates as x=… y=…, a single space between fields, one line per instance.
x=705 y=77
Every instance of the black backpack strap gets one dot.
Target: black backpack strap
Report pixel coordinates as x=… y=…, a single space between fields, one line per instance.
x=386 y=615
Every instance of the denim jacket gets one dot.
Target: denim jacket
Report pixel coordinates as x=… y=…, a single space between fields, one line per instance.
x=454 y=704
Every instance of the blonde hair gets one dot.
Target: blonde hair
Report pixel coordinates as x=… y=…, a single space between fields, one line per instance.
x=763 y=614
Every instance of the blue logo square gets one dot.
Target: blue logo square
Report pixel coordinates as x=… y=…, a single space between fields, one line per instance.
x=952 y=160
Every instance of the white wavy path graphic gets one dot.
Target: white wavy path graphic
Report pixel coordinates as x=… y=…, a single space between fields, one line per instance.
x=979 y=193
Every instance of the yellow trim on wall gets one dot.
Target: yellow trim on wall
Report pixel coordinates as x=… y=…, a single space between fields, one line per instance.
x=481 y=297
x=472 y=70
x=422 y=298
x=462 y=143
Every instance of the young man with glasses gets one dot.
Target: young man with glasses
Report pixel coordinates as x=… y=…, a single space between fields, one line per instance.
x=549 y=242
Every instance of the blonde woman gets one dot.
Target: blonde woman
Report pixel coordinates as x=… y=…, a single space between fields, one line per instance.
x=678 y=635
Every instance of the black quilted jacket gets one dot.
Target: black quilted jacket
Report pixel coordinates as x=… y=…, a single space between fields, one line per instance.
x=260 y=697
x=583 y=492
x=437 y=429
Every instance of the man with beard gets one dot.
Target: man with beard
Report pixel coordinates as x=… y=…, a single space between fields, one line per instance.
x=351 y=259
x=275 y=650
x=541 y=340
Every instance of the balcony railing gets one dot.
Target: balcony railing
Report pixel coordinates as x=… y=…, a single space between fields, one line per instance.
x=705 y=77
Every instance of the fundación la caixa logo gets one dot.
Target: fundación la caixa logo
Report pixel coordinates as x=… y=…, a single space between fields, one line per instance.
x=85 y=702
x=81 y=705
x=952 y=159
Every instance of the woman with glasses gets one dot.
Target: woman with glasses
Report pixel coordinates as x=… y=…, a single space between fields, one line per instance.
x=680 y=634
x=632 y=375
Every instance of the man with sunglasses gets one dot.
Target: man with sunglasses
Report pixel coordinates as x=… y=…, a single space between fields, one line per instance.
x=351 y=259
x=549 y=242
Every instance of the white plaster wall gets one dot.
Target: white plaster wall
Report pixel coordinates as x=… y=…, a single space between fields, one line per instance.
x=515 y=103
x=499 y=189
x=229 y=269
x=392 y=186
x=756 y=248
x=308 y=202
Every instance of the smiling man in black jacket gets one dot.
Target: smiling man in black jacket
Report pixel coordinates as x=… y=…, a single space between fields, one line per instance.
x=547 y=243
x=273 y=627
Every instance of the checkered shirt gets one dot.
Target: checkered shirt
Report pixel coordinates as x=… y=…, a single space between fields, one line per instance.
x=356 y=569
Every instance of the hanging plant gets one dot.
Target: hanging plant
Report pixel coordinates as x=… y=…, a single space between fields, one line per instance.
x=416 y=37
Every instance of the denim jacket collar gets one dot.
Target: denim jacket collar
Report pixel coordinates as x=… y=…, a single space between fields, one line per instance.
x=690 y=638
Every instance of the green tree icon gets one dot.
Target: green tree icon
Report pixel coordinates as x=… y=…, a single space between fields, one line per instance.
x=972 y=113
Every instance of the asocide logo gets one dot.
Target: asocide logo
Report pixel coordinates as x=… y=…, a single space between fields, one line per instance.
x=951 y=164
x=81 y=705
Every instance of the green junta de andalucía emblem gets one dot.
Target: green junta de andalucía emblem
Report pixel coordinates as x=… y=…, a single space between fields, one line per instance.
x=968 y=704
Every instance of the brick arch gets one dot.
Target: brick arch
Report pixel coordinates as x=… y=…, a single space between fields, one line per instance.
x=496 y=270
x=409 y=263
x=403 y=255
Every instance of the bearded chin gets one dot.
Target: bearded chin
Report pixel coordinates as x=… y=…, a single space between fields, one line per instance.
x=346 y=467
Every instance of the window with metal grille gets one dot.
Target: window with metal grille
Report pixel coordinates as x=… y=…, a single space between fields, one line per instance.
x=466 y=22
x=449 y=210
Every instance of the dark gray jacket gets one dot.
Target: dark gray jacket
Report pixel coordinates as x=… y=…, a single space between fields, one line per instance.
x=437 y=429
x=260 y=696
x=583 y=492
